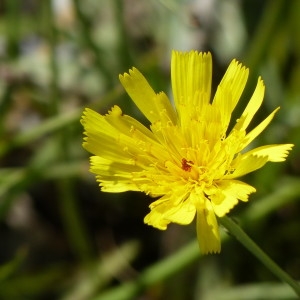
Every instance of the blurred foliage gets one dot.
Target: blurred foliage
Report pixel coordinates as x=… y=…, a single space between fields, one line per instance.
x=64 y=239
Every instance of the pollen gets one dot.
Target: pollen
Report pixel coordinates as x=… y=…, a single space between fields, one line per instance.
x=186 y=165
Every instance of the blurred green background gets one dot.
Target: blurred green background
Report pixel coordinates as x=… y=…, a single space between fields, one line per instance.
x=61 y=238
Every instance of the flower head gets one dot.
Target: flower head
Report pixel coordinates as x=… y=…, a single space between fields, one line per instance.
x=188 y=158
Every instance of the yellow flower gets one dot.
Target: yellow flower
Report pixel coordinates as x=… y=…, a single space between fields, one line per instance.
x=189 y=159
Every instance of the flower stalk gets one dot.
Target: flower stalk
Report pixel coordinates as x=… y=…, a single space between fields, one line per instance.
x=243 y=238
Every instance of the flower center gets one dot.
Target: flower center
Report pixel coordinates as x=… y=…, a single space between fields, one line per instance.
x=186 y=165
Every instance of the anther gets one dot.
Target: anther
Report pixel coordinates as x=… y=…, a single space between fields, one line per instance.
x=186 y=165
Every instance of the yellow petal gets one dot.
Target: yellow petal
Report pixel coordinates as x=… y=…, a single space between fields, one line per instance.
x=252 y=107
x=207 y=229
x=126 y=124
x=120 y=138
x=166 y=112
x=149 y=103
x=182 y=214
x=258 y=129
x=171 y=208
x=228 y=194
x=140 y=92
x=229 y=90
x=94 y=122
x=190 y=73
x=114 y=177
x=245 y=164
x=257 y=158
x=105 y=167
x=155 y=219
x=274 y=153
x=117 y=186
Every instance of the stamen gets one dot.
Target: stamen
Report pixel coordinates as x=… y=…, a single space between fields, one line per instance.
x=186 y=165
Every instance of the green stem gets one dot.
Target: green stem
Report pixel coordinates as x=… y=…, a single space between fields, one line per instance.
x=237 y=231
